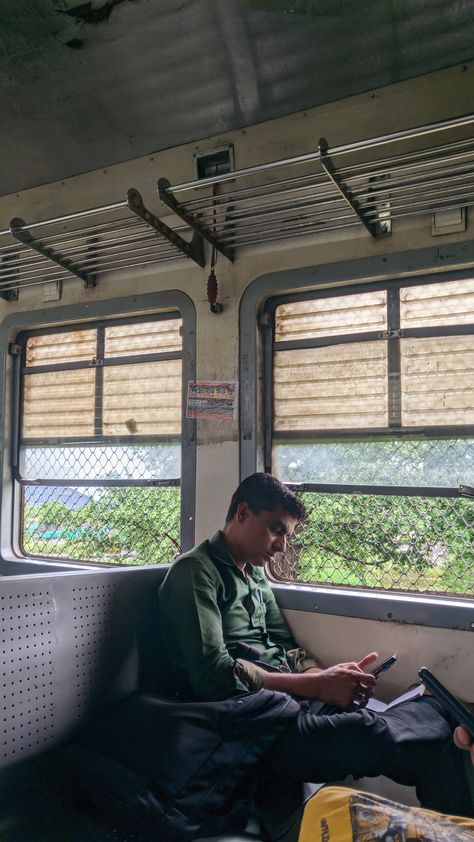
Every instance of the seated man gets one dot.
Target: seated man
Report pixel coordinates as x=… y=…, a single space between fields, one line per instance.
x=216 y=598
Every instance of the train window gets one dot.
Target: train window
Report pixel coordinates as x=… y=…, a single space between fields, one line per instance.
x=369 y=407
x=99 y=446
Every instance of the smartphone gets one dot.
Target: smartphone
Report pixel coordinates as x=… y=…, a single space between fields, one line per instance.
x=385 y=665
x=449 y=702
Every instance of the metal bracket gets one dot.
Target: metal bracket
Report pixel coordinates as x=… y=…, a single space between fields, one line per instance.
x=330 y=170
x=92 y=247
x=193 y=249
x=169 y=200
x=391 y=334
x=8 y=262
x=20 y=232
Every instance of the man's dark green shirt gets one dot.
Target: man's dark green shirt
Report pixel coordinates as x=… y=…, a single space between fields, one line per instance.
x=207 y=605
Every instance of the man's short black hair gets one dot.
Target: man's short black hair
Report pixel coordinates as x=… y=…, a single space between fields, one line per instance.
x=263 y=493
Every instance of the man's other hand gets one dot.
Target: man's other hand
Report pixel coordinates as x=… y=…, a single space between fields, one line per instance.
x=344 y=684
x=463 y=739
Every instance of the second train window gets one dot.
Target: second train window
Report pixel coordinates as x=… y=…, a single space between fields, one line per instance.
x=369 y=408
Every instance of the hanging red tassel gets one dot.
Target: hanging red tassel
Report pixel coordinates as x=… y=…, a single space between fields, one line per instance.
x=212 y=287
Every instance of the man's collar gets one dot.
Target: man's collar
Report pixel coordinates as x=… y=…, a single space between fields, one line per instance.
x=220 y=550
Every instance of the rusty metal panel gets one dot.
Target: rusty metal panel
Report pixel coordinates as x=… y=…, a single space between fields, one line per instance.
x=56 y=348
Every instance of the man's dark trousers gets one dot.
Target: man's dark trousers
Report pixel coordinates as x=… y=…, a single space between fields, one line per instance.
x=411 y=743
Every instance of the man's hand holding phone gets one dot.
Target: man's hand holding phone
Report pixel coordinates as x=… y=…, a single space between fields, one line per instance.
x=344 y=684
x=464 y=734
x=363 y=683
x=463 y=739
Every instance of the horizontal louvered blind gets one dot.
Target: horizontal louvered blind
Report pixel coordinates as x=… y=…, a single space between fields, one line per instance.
x=59 y=404
x=450 y=303
x=143 y=399
x=57 y=348
x=437 y=381
x=333 y=316
x=143 y=338
x=339 y=386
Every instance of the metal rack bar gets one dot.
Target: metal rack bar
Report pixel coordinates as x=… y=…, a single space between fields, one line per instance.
x=325 y=197
x=231 y=236
x=291 y=184
x=20 y=232
x=114 y=237
x=307 y=193
x=302 y=228
x=358 y=146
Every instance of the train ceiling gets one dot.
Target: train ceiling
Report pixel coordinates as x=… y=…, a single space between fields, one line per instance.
x=85 y=85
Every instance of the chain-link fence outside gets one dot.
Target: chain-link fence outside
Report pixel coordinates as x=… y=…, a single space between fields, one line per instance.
x=410 y=543
x=100 y=461
x=108 y=523
x=112 y=525
x=422 y=544
x=387 y=462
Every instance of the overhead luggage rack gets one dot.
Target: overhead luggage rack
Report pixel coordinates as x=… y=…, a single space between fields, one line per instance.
x=370 y=183
x=109 y=238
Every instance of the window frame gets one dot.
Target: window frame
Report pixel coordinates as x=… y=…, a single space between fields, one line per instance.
x=147 y=307
x=422 y=266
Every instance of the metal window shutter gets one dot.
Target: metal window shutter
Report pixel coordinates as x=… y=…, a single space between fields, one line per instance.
x=59 y=404
x=437 y=381
x=331 y=316
x=56 y=348
x=431 y=305
x=143 y=399
x=338 y=386
x=341 y=386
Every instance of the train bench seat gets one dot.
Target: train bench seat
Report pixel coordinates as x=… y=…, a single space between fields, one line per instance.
x=75 y=644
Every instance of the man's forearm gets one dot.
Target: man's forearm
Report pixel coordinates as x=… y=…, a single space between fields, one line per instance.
x=295 y=684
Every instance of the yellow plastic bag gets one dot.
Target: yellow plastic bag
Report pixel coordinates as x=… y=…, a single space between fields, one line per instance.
x=338 y=814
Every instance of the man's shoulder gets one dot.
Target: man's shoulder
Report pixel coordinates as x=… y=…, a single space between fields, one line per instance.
x=200 y=551
x=199 y=557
